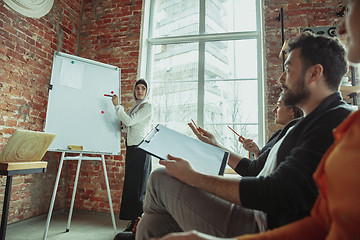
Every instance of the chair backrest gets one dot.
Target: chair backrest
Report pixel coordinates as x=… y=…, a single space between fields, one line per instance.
x=26 y=146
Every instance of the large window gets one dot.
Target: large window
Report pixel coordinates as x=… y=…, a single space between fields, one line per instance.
x=204 y=62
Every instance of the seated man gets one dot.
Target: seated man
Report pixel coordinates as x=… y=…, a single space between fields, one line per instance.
x=277 y=188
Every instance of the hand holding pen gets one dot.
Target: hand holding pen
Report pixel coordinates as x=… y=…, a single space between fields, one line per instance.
x=202 y=134
x=248 y=144
x=115 y=100
x=251 y=146
x=241 y=138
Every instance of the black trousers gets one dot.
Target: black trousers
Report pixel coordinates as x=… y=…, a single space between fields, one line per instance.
x=137 y=171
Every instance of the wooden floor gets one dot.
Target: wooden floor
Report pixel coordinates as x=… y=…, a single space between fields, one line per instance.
x=84 y=225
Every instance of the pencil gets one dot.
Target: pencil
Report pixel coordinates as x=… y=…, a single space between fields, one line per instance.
x=194 y=124
x=241 y=137
x=107 y=95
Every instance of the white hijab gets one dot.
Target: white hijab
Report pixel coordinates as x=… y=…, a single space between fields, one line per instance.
x=138 y=103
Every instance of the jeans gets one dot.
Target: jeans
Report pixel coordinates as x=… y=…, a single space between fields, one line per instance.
x=172 y=206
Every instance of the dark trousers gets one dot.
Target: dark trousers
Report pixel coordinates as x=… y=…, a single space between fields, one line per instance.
x=137 y=171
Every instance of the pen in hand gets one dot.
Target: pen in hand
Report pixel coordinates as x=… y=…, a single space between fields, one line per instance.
x=194 y=124
x=241 y=138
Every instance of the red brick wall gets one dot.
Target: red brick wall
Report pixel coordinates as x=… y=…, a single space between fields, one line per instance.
x=27 y=46
x=110 y=33
x=297 y=14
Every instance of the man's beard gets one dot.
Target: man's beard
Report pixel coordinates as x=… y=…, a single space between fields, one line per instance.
x=293 y=97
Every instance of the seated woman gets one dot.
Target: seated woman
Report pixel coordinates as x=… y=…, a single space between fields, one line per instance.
x=283 y=115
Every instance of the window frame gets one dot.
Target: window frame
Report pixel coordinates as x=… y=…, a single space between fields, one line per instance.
x=145 y=55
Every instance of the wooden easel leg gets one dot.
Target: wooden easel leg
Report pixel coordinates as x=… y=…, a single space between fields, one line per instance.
x=53 y=196
x=5 y=211
x=74 y=193
x=108 y=192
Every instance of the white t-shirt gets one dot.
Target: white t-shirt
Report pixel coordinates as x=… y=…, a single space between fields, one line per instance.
x=268 y=168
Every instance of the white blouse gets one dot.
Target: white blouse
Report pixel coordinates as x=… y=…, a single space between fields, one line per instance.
x=137 y=124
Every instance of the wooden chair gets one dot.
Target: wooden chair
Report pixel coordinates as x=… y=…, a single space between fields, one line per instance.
x=21 y=155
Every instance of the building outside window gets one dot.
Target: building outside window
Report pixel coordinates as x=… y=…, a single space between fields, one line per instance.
x=204 y=62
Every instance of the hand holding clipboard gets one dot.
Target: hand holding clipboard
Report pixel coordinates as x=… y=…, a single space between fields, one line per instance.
x=179 y=168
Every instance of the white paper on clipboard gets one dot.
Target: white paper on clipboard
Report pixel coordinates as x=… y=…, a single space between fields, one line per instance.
x=203 y=157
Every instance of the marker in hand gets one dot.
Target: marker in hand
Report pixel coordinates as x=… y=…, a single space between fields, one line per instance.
x=107 y=95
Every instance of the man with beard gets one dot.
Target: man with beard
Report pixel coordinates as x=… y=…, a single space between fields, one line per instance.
x=275 y=189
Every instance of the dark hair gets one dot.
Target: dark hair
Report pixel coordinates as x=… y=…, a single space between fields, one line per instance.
x=141 y=81
x=322 y=50
x=297 y=111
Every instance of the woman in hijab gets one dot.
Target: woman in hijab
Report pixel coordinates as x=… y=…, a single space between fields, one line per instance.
x=135 y=124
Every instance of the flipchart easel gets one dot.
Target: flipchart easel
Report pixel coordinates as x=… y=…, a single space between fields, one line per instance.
x=79 y=158
x=87 y=83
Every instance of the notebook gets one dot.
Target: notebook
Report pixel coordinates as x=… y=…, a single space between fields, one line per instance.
x=203 y=157
x=24 y=147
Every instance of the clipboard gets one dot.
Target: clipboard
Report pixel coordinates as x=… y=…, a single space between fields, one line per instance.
x=203 y=157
